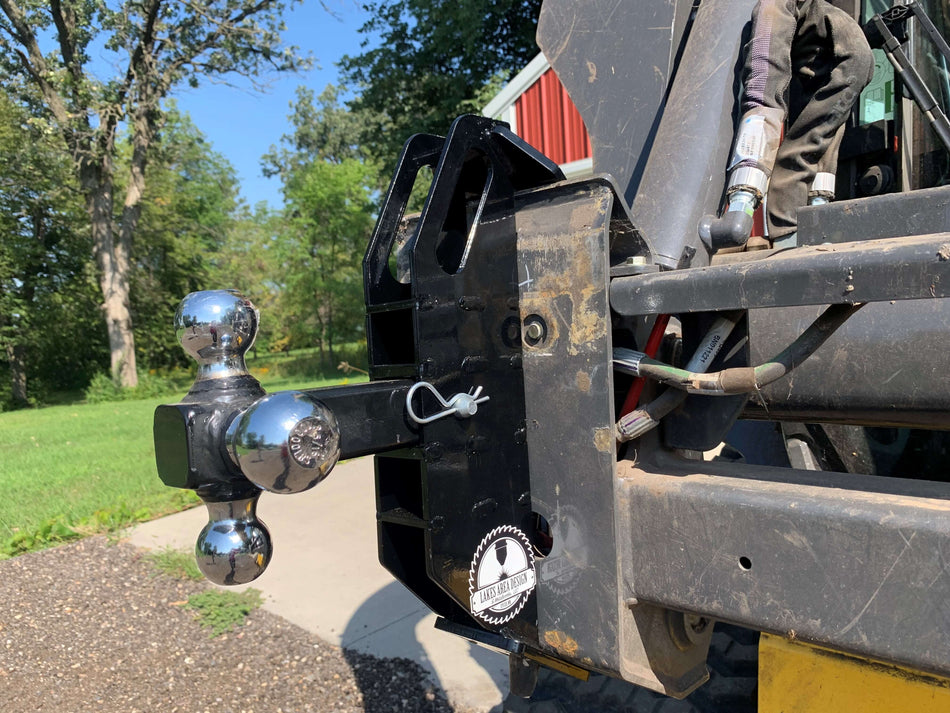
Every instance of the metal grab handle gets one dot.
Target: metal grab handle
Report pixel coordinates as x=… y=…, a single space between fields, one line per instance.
x=461 y=405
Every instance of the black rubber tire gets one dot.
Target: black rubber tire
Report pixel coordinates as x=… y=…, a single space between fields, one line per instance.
x=732 y=685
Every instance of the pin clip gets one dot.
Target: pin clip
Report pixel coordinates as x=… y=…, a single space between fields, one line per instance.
x=460 y=405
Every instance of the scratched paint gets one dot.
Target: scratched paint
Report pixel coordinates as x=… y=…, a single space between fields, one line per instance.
x=582 y=380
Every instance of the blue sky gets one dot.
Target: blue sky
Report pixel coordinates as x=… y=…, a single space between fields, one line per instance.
x=242 y=124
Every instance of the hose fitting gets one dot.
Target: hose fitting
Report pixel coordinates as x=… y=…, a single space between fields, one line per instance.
x=732 y=229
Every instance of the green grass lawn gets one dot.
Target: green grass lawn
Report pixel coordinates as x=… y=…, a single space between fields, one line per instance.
x=81 y=468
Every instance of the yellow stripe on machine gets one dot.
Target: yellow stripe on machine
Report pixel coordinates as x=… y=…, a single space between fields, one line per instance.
x=799 y=678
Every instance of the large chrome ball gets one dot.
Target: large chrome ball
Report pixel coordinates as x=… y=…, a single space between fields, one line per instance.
x=216 y=328
x=234 y=547
x=285 y=442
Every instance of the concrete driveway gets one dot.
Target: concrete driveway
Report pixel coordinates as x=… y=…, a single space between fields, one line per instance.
x=325 y=577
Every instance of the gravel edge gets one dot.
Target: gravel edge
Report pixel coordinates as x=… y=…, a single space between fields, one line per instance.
x=93 y=626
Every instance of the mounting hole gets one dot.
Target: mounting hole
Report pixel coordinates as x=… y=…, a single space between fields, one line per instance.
x=464 y=212
x=403 y=242
x=535 y=330
x=745 y=563
x=541 y=537
x=511 y=332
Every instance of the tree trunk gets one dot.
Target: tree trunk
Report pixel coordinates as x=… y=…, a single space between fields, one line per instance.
x=132 y=206
x=112 y=259
x=17 y=374
x=330 y=337
x=143 y=130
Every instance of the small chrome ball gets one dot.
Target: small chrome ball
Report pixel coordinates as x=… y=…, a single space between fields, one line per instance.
x=216 y=328
x=234 y=547
x=285 y=442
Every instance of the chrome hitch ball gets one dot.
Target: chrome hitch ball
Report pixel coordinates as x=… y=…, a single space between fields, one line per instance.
x=285 y=442
x=234 y=547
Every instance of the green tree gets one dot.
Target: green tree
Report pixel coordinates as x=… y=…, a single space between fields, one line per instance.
x=247 y=262
x=330 y=208
x=189 y=206
x=328 y=185
x=433 y=61
x=323 y=130
x=159 y=44
x=46 y=295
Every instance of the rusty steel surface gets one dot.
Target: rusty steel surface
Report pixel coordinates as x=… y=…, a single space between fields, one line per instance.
x=571 y=447
x=855 y=563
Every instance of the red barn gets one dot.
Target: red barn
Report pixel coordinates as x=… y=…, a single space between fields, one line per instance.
x=539 y=110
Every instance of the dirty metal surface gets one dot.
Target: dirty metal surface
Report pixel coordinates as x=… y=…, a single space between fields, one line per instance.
x=685 y=168
x=920 y=212
x=615 y=60
x=563 y=237
x=855 y=563
x=905 y=268
x=619 y=62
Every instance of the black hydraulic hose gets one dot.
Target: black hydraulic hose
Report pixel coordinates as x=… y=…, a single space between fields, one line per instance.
x=745 y=379
x=646 y=418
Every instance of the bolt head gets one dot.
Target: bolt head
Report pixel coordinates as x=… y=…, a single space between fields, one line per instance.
x=534 y=330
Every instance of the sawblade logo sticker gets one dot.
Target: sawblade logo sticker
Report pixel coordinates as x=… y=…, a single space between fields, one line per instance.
x=561 y=569
x=501 y=577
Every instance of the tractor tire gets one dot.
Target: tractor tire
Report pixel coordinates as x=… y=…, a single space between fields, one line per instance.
x=732 y=685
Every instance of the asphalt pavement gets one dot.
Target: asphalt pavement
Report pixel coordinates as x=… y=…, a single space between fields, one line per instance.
x=326 y=578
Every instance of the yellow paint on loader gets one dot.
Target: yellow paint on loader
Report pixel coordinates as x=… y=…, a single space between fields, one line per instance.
x=798 y=678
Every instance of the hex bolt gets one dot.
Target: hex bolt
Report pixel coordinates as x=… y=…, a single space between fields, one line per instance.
x=534 y=331
x=697 y=623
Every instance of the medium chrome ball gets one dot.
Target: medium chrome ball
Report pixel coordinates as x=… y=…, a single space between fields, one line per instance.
x=216 y=328
x=234 y=547
x=285 y=442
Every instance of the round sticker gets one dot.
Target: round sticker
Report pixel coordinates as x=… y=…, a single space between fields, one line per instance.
x=501 y=577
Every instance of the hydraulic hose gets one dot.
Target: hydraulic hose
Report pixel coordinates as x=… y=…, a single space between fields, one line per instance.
x=746 y=379
x=651 y=348
x=636 y=423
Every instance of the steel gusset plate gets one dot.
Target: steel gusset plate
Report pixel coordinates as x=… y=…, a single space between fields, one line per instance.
x=852 y=562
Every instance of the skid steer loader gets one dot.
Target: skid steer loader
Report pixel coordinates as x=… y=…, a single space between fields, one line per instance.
x=782 y=463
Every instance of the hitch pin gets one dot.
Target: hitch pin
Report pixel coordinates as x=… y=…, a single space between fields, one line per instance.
x=461 y=405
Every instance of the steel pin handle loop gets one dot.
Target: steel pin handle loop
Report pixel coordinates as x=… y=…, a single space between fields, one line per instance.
x=461 y=405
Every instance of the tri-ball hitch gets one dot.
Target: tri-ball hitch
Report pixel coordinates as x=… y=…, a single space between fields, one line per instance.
x=227 y=440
